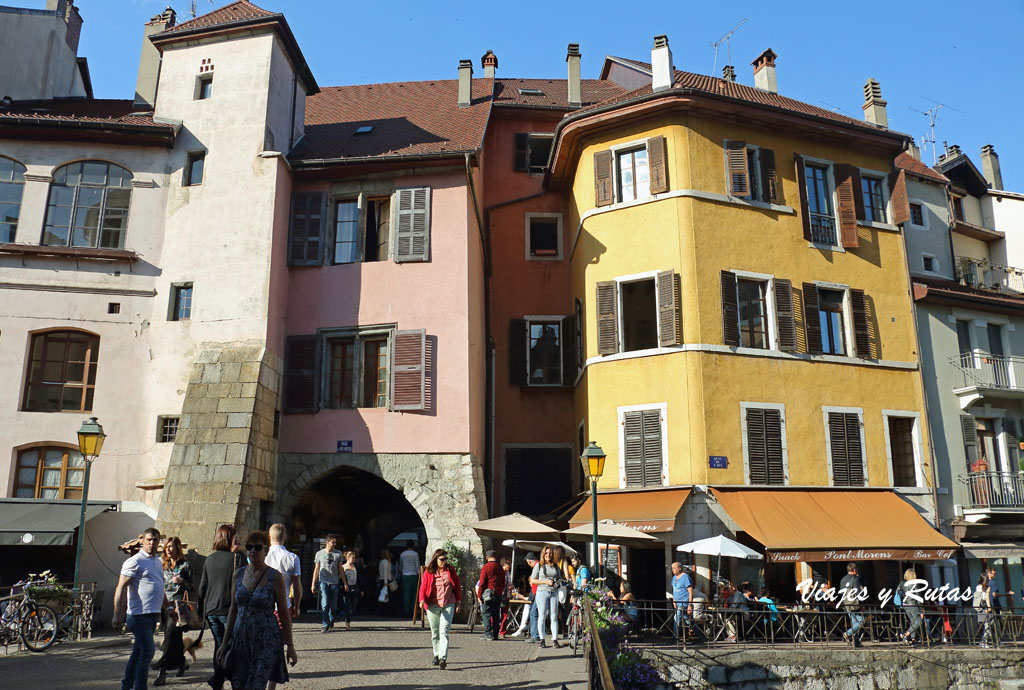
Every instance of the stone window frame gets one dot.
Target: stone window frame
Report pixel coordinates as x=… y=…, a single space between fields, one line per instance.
x=163 y=424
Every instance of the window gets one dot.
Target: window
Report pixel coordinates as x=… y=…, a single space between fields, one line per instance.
x=204 y=86
x=631 y=171
x=358 y=371
x=113 y=307
x=831 y=322
x=643 y=444
x=181 y=302
x=544 y=354
x=928 y=263
x=750 y=318
x=872 y=190
x=963 y=339
x=633 y=174
x=194 y=168
x=639 y=315
x=522 y=467
x=917 y=214
x=764 y=443
x=88 y=206
x=166 y=429
x=543 y=236
x=958 y=208
x=819 y=203
x=541 y=351
x=12 y=184
x=900 y=433
x=752 y=173
x=531 y=151
x=50 y=472
x=62 y=372
x=753 y=312
x=643 y=308
x=837 y=321
x=365 y=239
x=845 y=448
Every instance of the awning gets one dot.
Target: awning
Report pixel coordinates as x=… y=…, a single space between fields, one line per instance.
x=986 y=549
x=834 y=525
x=34 y=522
x=647 y=511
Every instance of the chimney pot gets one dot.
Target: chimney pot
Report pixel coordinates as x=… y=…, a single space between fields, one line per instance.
x=489 y=62
x=465 y=83
x=572 y=57
x=990 y=167
x=764 y=71
x=662 y=71
x=874 y=104
x=149 y=59
x=729 y=73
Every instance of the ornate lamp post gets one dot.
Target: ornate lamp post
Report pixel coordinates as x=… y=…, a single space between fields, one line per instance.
x=90 y=442
x=593 y=466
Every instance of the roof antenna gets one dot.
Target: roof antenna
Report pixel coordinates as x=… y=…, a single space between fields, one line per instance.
x=725 y=40
x=933 y=116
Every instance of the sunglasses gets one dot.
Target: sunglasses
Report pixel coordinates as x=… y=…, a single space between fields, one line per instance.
x=254 y=547
x=442 y=558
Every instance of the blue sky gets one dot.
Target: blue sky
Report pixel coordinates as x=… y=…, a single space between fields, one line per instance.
x=962 y=54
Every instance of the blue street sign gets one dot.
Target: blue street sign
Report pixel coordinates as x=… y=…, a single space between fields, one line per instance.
x=718 y=462
x=344 y=446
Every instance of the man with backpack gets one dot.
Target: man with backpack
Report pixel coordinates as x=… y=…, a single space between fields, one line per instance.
x=851 y=588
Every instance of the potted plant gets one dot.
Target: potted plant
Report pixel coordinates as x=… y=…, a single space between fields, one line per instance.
x=46 y=590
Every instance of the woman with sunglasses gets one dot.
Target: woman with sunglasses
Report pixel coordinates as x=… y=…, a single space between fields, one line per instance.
x=439 y=597
x=251 y=653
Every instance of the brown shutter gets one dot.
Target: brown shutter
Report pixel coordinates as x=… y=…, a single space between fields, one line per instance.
x=898 y=197
x=652 y=447
x=812 y=327
x=837 y=444
x=970 y=432
x=846 y=193
x=522 y=152
x=302 y=373
x=730 y=310
x=634 y=438
x=801 y=183
x=773 y=447
x=785 y=318
x=854 y=452
x=739 y=174
x=771 y=185
x=578 y=335
x=306 y=229
x=567 y=337
x=607 y=318
x=757 y=451
x=518 y=342
x=603 y=178
x=657 y=160
x=668 y=309
x=408 y=370
x=861 y=334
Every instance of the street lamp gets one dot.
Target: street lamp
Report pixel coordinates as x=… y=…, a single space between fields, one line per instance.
x=90 y=441
x=593 y=466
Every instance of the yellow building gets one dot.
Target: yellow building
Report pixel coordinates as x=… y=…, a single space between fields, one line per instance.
x=746 y=321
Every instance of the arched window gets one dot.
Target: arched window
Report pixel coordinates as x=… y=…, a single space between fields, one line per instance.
x=88 y=206
x=12 y=182
x=50 y=472
x=62 y=371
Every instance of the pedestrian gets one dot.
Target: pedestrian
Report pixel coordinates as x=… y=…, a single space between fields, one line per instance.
x=143 y=578
x=409 y=562
x=529 y=620
x=983 y=608
x=851 y=587
x=439 y=596
x=911 y=609
x=506 y=567
x=994 y=594
x=178 y=581
x=215 y=591
x=252 y=654
x=353 y=590
x=489 y=590
x=682 y=599
x=287 y=563
x=384 y=579
x=325 y=581
x=582 y=571
x=546 y=576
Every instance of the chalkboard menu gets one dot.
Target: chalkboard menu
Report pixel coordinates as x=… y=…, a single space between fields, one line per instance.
x=610 y=559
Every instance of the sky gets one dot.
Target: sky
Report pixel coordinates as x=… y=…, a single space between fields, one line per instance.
x=959 y=54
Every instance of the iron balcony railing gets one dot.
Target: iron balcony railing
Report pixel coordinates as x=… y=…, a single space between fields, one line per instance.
x=982 y=370
x=985 y=275
x=823 y=229
x=995 y=490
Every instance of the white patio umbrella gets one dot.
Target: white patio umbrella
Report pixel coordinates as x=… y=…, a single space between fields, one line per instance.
x=517 y=527
x=719 y=546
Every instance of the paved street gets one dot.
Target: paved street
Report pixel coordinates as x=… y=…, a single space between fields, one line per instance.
x=374 y=654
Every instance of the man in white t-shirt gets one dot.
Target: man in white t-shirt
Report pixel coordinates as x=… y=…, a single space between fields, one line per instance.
x=142 y=577
x=287 y=563
x=409 y=567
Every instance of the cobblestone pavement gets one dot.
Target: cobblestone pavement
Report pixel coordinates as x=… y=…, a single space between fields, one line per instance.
x=389 y=653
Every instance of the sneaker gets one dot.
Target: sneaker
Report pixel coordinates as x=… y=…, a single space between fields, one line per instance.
x=541 y=644
x=985 y=645
x=846 y=637
x=555 y=644
x=443 y=664
x=518 y=633
x=731 y=638
x=324 y=629
x=435 y=662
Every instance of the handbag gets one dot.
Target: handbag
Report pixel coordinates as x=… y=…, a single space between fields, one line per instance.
x=392 y=586
x=188 y=616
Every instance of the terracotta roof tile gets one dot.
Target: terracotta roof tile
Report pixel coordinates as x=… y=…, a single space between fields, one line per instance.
x=555 y=92
x=235 y=12
x=907 y=162
x=94 y=110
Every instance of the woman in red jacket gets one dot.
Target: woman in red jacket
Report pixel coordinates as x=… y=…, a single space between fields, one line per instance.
x=440 y=594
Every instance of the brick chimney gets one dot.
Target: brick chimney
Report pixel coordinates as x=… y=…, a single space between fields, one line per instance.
x=465 y=83
x=874 y=105
x=990 y=167
x=149 y=59
x=490 y=64
x=663 y=73
x=729 y=73
x=764 y=71
x=572 y=57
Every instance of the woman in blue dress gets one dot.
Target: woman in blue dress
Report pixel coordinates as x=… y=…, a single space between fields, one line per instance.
x=252 y=653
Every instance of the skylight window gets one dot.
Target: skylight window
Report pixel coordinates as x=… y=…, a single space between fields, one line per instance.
x=365 y=129
x=530 y=92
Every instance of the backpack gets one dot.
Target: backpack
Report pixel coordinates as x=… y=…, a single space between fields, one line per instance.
x=898 y=599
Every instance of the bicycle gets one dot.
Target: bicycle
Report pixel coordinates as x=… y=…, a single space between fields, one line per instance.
x=22 y=618
x=575 y=621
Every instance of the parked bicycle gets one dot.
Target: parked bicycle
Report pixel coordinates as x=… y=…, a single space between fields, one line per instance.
x=575 y=620
x=24 y=619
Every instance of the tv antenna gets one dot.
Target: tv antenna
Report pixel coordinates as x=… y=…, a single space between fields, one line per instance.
x=195 y=9
x=933 y=116
x=725 y=40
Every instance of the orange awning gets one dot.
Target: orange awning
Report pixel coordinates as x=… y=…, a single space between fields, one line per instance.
x=834 y=525
x=647 y=511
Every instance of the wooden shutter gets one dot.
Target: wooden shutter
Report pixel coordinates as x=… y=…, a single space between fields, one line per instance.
x=408 y=370
x=847 y=189
x=652 y=447
x=898 y=197
x=634 y=437
x=854 y=452
x=669 y=326
x=578 y=335
x=970 y=433
x=739 y=174
x=812 y=327
x=607 y=318
x=801 y=183
x=784 y=315
x=771 y=185
x=412 y=229
x=306 y=229
x=657 y=160
x=522 y=152
x=847 y=453
x=302 y=373
x=773 y=444
x=518 y=342
x=757 y=451
x=1012 y=443
x=861 y=334
x=603 y=188
x=730 y=310
x=567 y=337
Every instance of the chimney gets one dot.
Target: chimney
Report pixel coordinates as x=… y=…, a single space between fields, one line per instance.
x=914 y=151
x=662 y=72
x=149 y=59
x=990 y=167
x=465 y=83
x=573 y=58
x=490 y=64
x=764 y=71
x=729 y=73
x=874 y=105
x=58 y=6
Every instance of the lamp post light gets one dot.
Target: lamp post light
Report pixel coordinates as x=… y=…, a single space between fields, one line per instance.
x=593 y=465
x=90 y=442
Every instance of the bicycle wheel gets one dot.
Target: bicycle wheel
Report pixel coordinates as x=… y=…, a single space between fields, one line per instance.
x=474 y=615
x=39 y=628
x=575 y=625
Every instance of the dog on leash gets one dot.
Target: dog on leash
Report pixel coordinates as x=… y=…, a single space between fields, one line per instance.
x=191 y=646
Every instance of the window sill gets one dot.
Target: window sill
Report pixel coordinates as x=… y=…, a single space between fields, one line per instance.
x=826 y=247
x=77 y=253
x=877 y=226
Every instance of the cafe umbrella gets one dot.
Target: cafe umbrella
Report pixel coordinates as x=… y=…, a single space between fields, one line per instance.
x=516 y=527
x=719 y=546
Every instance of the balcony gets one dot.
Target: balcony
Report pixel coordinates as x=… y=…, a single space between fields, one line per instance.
x=985 y=275
x=991 y=492
x=977 y=375
x=823 y=229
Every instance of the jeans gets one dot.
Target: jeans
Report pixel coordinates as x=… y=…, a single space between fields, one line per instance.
x=136 y=673
x=217 y=625
x=913 y=614
x=547 y=609
x=351 y=601
x=440 y=620
x=680 y=619
x=491 y=612
x=533 y=620
x=856 y=620
x=408 y=593
x=328 y=602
